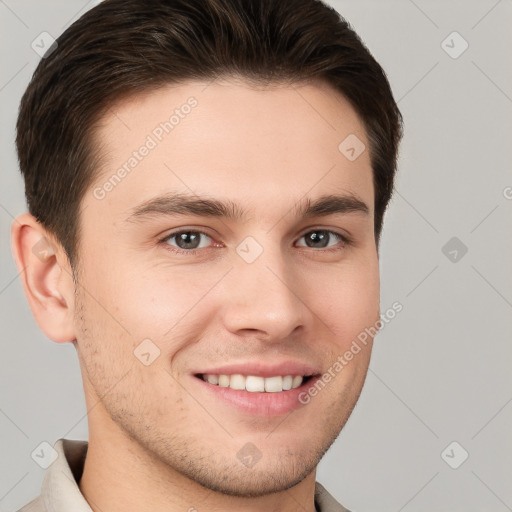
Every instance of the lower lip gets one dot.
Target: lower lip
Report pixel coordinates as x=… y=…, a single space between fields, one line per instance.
x=259 y=403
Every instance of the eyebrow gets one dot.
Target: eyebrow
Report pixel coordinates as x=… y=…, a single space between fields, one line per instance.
x=184 y=204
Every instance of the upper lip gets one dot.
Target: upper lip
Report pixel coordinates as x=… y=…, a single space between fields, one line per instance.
x=261 y=369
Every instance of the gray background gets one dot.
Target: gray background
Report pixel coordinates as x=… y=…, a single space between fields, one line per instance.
x=440 y=371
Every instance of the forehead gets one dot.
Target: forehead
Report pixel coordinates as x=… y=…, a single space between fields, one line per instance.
x=228 y=138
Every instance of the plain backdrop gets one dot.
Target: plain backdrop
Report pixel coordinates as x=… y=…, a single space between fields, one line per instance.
x=439 y=389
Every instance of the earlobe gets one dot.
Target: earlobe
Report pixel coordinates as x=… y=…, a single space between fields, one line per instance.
x=46 y=277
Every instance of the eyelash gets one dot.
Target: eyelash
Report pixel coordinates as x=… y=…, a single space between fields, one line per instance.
x=345 y=240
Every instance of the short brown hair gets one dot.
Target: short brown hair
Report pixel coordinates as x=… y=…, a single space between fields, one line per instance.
x=121 y=47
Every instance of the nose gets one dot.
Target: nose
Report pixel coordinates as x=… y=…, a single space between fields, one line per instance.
x=263 y=298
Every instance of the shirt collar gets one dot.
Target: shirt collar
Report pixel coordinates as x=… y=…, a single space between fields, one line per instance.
x=60 y=491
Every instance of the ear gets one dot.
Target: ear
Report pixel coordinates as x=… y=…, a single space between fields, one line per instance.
x=46 y=277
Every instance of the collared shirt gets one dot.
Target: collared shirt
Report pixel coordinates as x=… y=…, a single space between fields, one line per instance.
x=60 y=491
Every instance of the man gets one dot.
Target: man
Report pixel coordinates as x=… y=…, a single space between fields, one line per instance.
x=206 y=183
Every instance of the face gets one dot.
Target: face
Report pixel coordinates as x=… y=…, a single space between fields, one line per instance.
x=239 y=242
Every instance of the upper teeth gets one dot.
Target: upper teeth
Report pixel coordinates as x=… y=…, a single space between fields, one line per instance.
x=253 y=383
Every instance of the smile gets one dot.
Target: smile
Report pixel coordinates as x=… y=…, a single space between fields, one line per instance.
x=256 y=384
x=256 y=395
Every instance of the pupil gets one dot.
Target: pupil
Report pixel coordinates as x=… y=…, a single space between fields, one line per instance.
x=319 y=236
x=187 y=240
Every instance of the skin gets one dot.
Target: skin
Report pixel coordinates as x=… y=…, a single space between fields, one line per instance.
x=155 y=442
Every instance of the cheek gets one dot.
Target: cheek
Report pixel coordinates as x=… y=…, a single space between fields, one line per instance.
x=349 y=300
x=166 y=304
x=101 y=345
x=146 y=299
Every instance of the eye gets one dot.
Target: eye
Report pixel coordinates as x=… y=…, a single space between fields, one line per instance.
x=320 y=239
x=189 y=241
x=186 y=240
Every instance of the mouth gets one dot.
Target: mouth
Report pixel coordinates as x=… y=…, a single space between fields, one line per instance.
x=255 y=383
x=255 y=395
